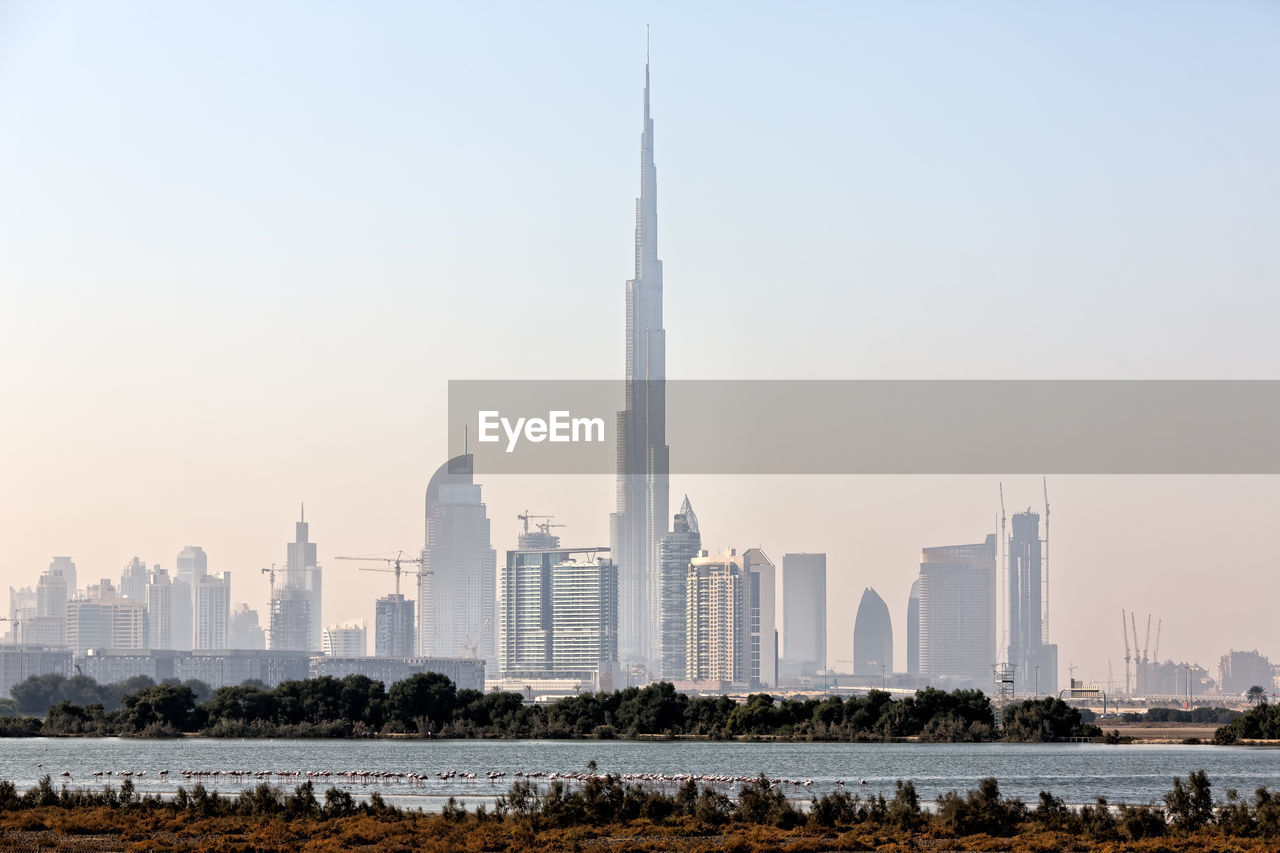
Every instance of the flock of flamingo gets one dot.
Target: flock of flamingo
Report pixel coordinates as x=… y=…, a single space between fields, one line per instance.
x=365 y=777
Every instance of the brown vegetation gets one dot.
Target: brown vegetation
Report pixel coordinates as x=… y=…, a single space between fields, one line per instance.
x=607 y=815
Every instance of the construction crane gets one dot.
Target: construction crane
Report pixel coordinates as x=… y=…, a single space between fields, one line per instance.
x=1124 y=632
x=17 y=627
x=272 y=579
x=1146 y=660
x=526 y=517
x=395 y=562
x=1137 y=657
x=470 y=645
x=1155 y=653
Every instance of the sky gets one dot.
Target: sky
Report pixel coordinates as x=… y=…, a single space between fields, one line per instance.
x=244 y=247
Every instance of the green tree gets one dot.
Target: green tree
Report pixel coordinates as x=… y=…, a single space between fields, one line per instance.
x=424 y=701
x=167 y=706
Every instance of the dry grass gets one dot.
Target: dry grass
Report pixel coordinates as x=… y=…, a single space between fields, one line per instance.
x=56 y=829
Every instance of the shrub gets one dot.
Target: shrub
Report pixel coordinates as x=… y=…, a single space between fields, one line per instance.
x=1190 y=806
x=981 y=810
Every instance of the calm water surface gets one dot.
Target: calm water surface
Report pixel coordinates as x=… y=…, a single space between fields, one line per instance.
x=1076 y=772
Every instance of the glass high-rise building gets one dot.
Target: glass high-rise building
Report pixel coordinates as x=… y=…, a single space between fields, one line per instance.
x=958 y=612
x=637 y=528
x=393 y=627
x=718 y=620
x=872 y=636
x=160 y=610
x=458 y=584
x=296 y=602
x=913 y=629
x=66 y=567
x=133 y=581
x=681 y=545
x=761 y=597
x=213 y=612
x=1035 y=661
x=804 y=614
x=557 y=615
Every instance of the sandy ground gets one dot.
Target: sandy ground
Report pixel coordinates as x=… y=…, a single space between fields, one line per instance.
x=1162 y=732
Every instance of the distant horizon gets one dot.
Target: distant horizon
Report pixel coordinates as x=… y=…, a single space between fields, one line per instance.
x=242 y=264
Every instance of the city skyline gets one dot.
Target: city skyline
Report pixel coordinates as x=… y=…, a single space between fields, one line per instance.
x=174 y=411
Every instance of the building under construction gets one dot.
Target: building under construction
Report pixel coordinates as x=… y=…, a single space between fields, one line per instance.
x=1035 y=661
x=295 y=597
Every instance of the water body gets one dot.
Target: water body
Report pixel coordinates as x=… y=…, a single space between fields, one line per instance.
x=1076 y=772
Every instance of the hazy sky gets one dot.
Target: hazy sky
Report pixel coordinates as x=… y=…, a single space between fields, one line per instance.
x=244 y=246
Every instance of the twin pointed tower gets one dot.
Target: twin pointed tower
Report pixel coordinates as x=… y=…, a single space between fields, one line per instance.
x=637 y=528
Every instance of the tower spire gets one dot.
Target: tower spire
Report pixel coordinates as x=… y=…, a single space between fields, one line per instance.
x=646 y=74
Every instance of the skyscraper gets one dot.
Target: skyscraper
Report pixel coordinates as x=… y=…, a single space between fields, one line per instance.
x=557 y=616
x=133 y=581
x=346 y=641
x=761 y=595
x=678 y=547
x=213 y=612
x=913 y=629
x=182 y=622
x=393 y=630
x=295 y=619
x=872 y=636
x=1035 y=661
x=50 y=625
x=458 y=583
x=66 y=567
x=584 y=618
x=104 y=620
x=160 y=611
x=804 y=614
x=246 y=630
x=958 y=612
x=718 y=620
x=23 y=607
x=524 y=611
x=637 y=528
x=192 y=566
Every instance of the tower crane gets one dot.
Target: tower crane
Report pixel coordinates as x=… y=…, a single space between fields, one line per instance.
x=527 y=516
x=1124 y=632
x=271 y=573
x=1147 y=644
x=1137 y=659
x=17 y=626
x=1155 y=653
x=395 y=563
x=470 y=645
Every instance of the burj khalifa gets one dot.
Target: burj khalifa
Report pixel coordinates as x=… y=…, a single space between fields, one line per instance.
x=637 y=528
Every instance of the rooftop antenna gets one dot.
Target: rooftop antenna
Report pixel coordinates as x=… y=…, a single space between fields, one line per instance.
x=465 y=438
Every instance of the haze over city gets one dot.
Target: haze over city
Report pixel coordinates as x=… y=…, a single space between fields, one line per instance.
x=241 y=261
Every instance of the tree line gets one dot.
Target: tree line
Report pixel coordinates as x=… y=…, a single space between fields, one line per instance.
x=430 y=705
x=559 y=815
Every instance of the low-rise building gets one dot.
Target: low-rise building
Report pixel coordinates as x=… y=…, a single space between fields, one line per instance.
x=465 y=673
